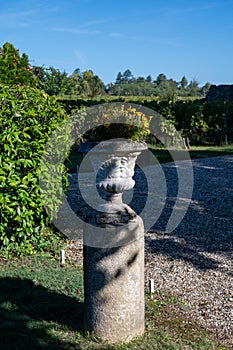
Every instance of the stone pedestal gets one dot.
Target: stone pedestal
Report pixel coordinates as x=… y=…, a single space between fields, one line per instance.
x=114 y=251
x=114 y=286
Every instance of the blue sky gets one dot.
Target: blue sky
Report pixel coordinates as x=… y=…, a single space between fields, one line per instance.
x=174 y=37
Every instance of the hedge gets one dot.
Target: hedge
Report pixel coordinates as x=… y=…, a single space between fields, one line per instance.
x=201 y=121
x=27 y=118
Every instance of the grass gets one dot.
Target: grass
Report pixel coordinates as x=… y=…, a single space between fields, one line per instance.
x=41 y=307
x=161 y=154
x=164 y=156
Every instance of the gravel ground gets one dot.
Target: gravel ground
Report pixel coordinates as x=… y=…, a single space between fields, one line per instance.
x=194 y=261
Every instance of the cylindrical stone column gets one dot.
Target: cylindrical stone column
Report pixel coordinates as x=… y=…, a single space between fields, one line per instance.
x=114 y=252
x=114 y=285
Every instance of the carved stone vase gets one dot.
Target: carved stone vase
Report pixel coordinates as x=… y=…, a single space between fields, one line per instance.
x=114 y=162
x=114 y=248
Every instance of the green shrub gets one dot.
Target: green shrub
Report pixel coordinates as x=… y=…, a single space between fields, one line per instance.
x=27 y=118
x=201 y=121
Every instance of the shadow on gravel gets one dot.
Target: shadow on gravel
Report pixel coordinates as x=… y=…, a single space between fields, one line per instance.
x=178 y=251
x=208 y=224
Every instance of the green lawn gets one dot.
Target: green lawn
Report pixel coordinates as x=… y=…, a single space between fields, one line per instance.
x=163 y=155
x=41 y=307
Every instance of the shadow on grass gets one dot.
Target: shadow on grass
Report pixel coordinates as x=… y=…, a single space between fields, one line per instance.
x=31 y=315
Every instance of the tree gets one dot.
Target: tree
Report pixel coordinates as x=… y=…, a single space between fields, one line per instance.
x=52 y=81
x=149 y=79
x=161 y=79
x=205 y=89
x=166 y=89
x=77 y=71
x=183 y=83
x=86 y=84
x=92 y=83
x=140 y=79
x=41 y=77
x=77 y=82
x=193 y=88
x=15 y=69
x=119 y=78
x=127 y=76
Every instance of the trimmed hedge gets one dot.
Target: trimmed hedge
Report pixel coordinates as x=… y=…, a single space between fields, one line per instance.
x=201 y=121
x=27 y=118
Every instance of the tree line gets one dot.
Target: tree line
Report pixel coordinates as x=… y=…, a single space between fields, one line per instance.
x=16 y=69
x=127 y=84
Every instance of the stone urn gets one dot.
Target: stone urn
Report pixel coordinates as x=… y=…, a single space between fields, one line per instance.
x=113 y=162
x=114 y=248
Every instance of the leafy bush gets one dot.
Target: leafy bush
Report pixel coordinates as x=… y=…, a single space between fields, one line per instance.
x=203 y=122
x=27 y=118
x=118 y=120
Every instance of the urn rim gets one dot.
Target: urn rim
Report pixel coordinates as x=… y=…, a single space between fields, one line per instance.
x=113 y=145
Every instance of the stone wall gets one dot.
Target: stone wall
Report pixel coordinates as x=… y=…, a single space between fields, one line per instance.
x=220 y=93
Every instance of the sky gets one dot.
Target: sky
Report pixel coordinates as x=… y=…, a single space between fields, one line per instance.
x=174 y=37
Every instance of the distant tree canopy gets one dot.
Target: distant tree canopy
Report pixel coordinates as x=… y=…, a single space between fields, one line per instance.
x=15 y=69
x=126 y=84
x=87 y=84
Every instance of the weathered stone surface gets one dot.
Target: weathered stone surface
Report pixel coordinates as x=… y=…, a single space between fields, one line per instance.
x=114 y=249
x=114 y=284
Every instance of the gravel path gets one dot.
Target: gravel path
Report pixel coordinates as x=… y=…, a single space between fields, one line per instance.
x=195 y=260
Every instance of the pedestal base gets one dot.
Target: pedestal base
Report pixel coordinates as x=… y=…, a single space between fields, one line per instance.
x=114 y=283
